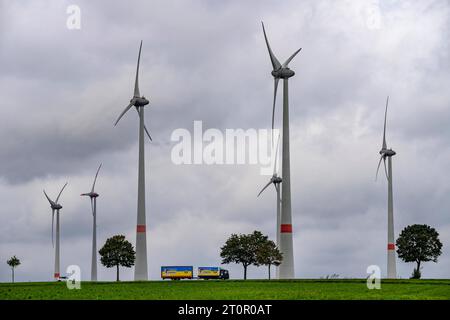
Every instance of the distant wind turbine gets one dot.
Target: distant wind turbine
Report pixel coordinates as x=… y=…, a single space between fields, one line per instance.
x=281 y=71
x=93 y=197
x=55 y=206
x=276 y=181
x=389 y=153
x=141 y=269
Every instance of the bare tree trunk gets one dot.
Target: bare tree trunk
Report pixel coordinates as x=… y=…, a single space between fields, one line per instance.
x=269 y=271
x=12 y=274
x=245 y=272
x=117 y=273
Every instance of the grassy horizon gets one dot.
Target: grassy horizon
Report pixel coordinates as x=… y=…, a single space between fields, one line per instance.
x=313 y=289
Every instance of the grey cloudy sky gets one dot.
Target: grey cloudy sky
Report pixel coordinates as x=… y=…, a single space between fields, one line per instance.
x=62 y=89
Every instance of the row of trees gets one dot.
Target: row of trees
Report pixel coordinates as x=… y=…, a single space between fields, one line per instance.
x=246 y=249
x=417 y=243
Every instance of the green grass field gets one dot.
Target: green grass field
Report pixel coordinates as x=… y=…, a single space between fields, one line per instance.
x=231 y=289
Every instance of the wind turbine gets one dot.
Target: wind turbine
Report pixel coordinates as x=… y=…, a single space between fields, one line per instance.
x=93 y=196
x=56 y=207
x=276 y=181
x=389 y=153
x=281 y=71
x=140 y=270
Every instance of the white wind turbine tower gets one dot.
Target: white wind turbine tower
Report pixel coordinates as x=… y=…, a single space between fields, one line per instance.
x=93 y=197
x=140 y=269
x=281 y=71
x=276 y=180
x=56 y=207
x=388 y=153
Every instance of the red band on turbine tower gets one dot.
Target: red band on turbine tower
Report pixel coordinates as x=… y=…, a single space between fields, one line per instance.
x=57 y=275
x=391 y=246
x=140 y=228
x=286 y=228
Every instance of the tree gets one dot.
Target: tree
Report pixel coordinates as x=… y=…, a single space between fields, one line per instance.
x=268 y=254
x=242 y=249
x=117 y=252
x=419 y=243
x=13 y=262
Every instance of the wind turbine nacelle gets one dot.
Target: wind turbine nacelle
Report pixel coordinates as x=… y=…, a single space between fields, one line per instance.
x=283 y=73
x=277 y=180
x=139 y=101
x=57 y=207
x=388 y=152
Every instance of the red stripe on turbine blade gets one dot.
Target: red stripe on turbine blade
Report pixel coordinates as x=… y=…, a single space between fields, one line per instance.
x=140 y=228
x=56 y=275
x=286 y=228
x=391 y=246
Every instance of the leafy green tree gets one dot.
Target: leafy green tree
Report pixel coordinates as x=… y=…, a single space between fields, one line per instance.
x=419 y=243
x=13 y=262
x=117 y=252
x=242 y=249
x=268 y=254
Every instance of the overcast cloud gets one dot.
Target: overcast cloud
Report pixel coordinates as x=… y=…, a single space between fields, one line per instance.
x=62 y=89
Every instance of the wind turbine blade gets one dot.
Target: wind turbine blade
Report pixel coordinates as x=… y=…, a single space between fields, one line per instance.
x=53 y=218
x=50 y=201
x=378 y=168
x=123 y=112
x=95 y=179
x=275 y=63
x=92 y=206
x=265 y=187
x=275 y=88
x=136 y=83
x=384 y=130
x=285 y=64
x=148 y=134
x=145 y=127
x=276 y=157
x=385 y=170
x=276 y=186
x=60 y=192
